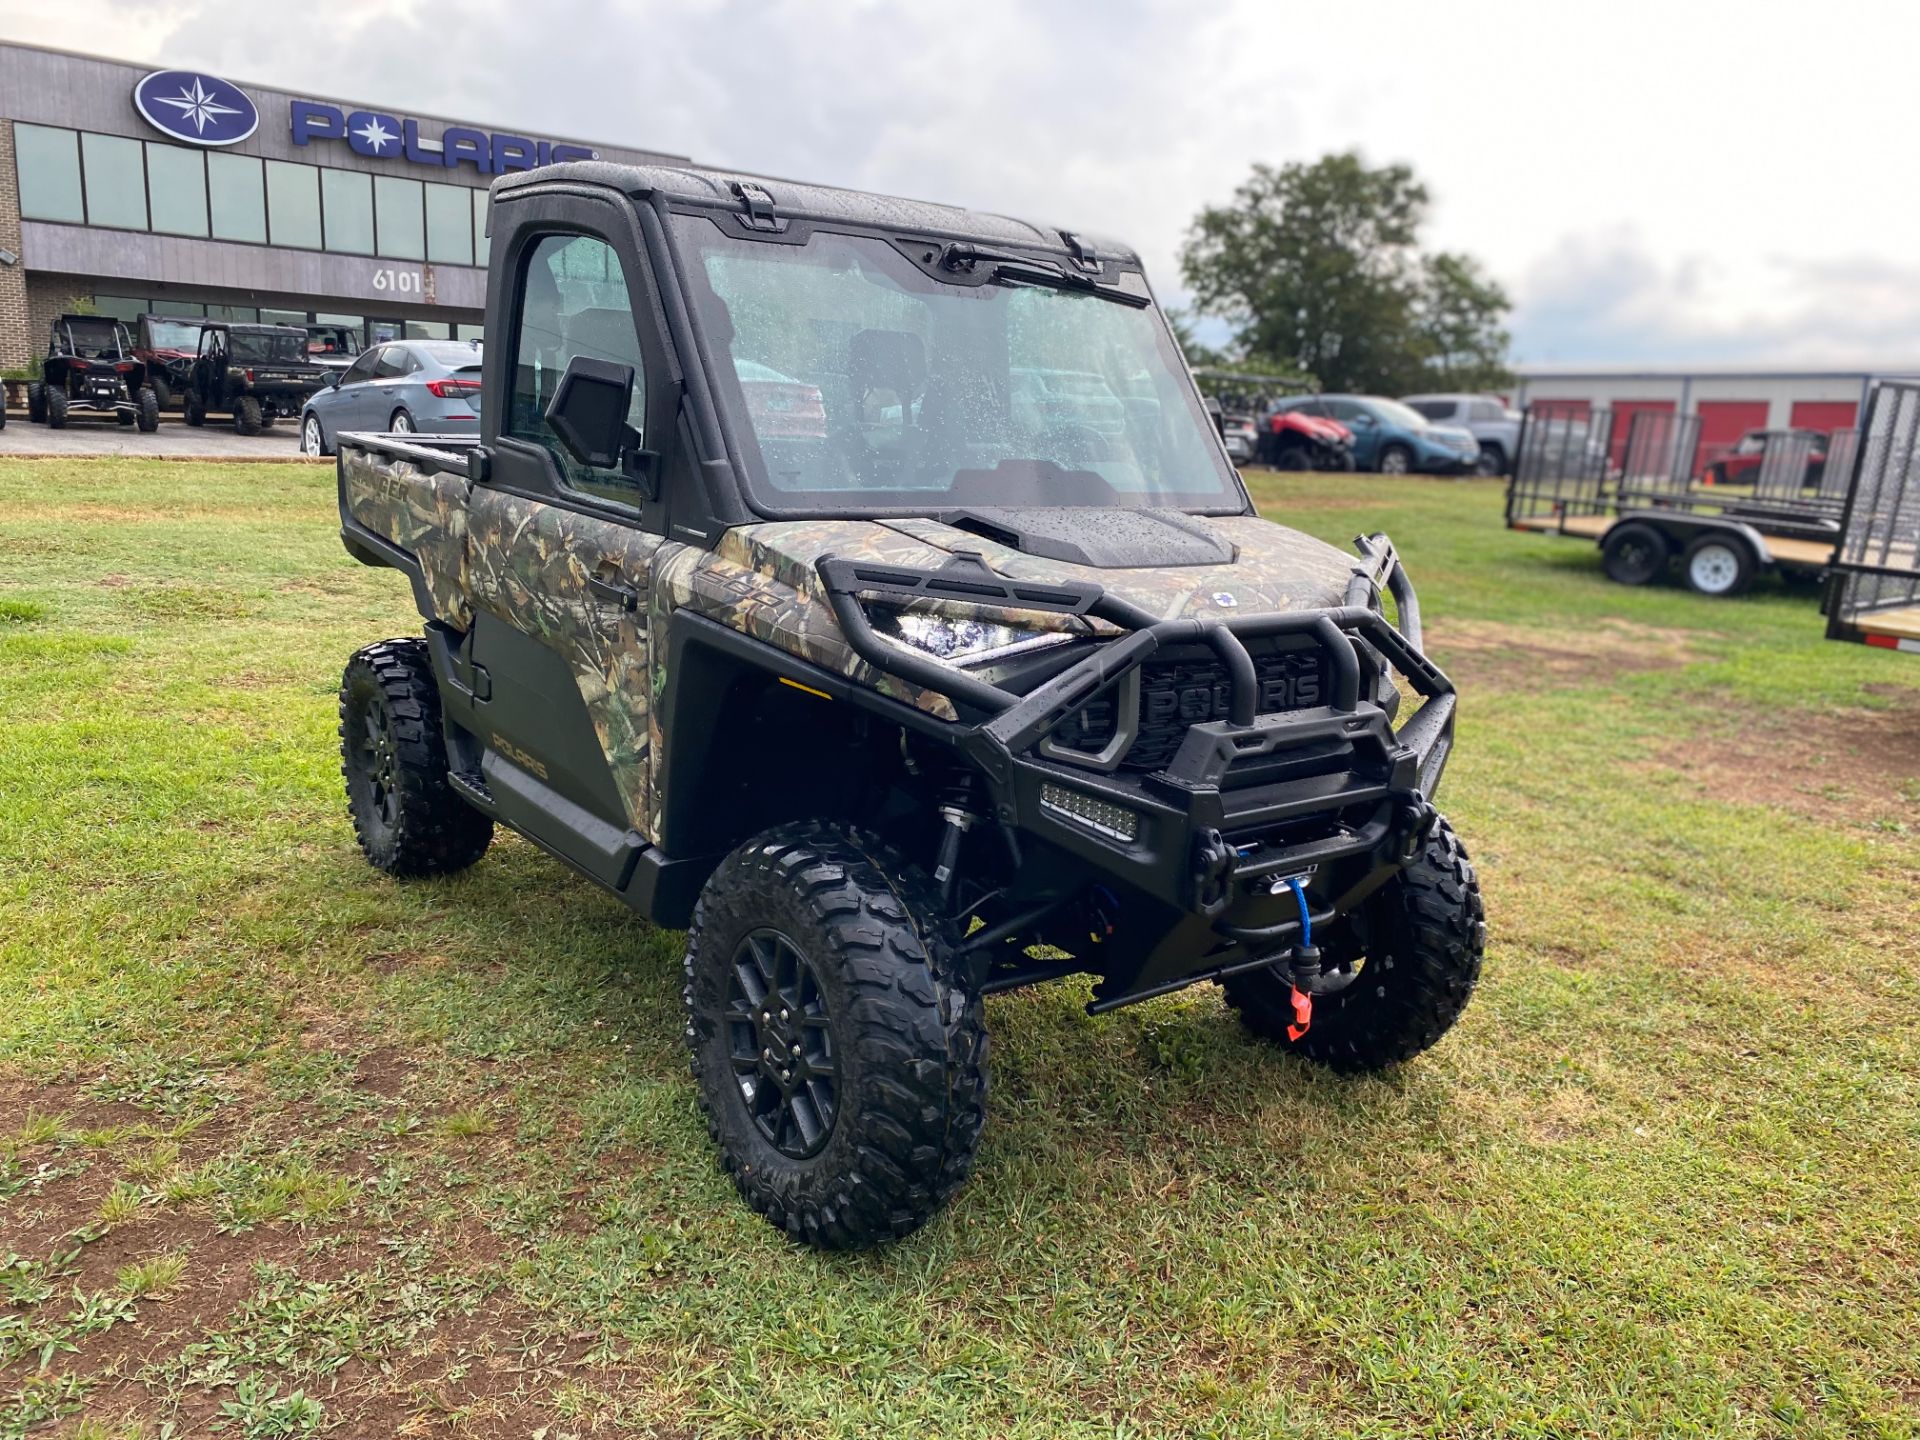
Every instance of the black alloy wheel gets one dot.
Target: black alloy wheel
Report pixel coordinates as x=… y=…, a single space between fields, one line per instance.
x=781 y=1040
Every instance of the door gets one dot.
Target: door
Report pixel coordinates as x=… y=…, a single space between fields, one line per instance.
x=345 y=407
x=387 y=392
x=1359 y=420
x=561 y=569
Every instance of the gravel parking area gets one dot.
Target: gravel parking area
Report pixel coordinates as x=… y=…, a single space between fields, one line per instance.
x=174 y=440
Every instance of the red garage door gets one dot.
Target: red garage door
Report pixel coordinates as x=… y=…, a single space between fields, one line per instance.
x=1623 y=413
x=1826 y=416
x=1722 y=423
x=1562 y=409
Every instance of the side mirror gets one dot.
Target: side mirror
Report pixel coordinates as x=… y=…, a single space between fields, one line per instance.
x=588 y=411
x=334 y=377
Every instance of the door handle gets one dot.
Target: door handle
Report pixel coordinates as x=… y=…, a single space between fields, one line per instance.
x=611 y=592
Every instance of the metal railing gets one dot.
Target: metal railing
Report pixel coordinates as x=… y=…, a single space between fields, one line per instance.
x=1876 y=568
x=1562 y=467
x=1657 y=465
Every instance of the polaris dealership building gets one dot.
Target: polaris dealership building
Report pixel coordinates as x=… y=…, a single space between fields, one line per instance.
x=128 y=189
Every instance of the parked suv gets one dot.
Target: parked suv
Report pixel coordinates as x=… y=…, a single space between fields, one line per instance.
x=256 y=373
x=1390 y=437
x=90 y=367
x=1485 y=417
x=948 y=695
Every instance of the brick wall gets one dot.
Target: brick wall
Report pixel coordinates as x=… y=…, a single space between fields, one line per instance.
x=48 y=296
x=16 y=333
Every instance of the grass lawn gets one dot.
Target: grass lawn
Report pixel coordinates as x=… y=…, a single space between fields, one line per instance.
x=287 y=1148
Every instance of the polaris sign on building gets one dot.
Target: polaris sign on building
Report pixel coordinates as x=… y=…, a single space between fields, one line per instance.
x=179 y=192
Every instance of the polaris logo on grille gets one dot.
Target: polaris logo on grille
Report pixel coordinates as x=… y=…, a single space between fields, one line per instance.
x=1294 y=686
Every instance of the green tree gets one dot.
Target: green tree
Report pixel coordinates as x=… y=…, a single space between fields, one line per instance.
x=1319 y=267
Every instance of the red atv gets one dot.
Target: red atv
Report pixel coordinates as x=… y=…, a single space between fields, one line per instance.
x=1296 y=441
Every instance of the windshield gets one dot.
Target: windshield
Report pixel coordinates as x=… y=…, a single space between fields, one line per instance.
x=864 y=382
x=287 y=349
x=173 y=335
x=1394 y=413
x=331 y=340
x=94 y=337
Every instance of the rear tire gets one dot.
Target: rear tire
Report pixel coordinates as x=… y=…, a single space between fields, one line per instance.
x=196 y=409
x=1634 y=554
x=401 y=423
x=37 y=403
x=393 y=755
x=816 y=943
x=1718 y=566
x=162 y=391
x=1423 y=934
x=1396 y=460
x=246 y=416
x=125 y=417
x=149 y=410
x=57 y=408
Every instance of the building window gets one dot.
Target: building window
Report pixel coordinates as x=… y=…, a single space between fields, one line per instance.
x=397 y=203
x=237 y=196
x=293 y=204
x=49 y=164
x=480 y=226
x=469 y=332
x=234 y=314
x=346 y=200
x=127 y=308
x=429 y=330
x=116 y=182
x=177 y=189
x=283 y=317
x=449 y=225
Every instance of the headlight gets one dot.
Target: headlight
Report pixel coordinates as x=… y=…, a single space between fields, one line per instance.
x=960 y=641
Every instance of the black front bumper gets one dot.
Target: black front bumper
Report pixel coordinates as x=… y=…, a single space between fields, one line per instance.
x=1343 y=799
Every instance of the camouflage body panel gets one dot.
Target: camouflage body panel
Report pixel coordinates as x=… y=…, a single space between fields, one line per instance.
x=528 y=564
x=424 y=514
x=761 y=580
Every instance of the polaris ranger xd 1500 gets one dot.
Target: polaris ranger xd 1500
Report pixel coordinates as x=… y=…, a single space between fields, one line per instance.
x=759 y=601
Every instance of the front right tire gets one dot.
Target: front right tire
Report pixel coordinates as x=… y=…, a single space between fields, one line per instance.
x=313 y=438
x=37 y=402
x=1396 y=460
x=56 y=407
x=841 y=1056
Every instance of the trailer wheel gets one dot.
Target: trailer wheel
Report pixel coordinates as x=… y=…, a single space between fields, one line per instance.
x=1718 y=565
x=841 y=1054
x=1422 y=933
x=1634 y=554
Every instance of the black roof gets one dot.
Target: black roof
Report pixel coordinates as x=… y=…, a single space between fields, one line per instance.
x=247 y=327
x=801 y=200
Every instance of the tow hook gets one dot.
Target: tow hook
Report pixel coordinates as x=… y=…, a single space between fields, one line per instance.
x=1214 y=862
x=1413 y=823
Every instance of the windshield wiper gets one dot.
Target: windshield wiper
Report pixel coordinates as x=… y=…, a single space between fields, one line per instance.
x=1012 y=269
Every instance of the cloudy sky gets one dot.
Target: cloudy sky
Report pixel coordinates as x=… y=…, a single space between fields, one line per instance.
x=1685 y=181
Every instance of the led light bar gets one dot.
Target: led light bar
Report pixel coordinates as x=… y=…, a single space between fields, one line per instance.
x=1102 y=815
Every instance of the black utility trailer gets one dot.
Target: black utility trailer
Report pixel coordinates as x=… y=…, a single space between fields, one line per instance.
x=1873 y=587
x=1647 y=508
x=90 y=368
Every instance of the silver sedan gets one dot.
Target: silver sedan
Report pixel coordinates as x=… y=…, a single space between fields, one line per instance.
x=429 y=386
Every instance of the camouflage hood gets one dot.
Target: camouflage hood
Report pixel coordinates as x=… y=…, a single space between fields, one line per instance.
x=1238 y=564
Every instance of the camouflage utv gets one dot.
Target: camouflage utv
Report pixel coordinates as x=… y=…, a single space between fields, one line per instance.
x=859 y=584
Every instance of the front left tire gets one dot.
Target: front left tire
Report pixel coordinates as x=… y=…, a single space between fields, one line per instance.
x=1422 y=935
x=149 y=417
x=840 y=1054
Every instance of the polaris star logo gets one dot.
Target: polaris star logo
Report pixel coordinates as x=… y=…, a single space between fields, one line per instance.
x=1224 y=599
x=195 y=107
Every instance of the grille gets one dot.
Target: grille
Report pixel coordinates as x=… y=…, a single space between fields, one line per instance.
x=1179 y=689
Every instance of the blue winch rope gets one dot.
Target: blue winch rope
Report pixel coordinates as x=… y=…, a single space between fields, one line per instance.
x=1306 y=917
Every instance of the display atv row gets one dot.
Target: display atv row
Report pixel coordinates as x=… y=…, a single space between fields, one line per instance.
x=254 y=373
x=764 y=601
